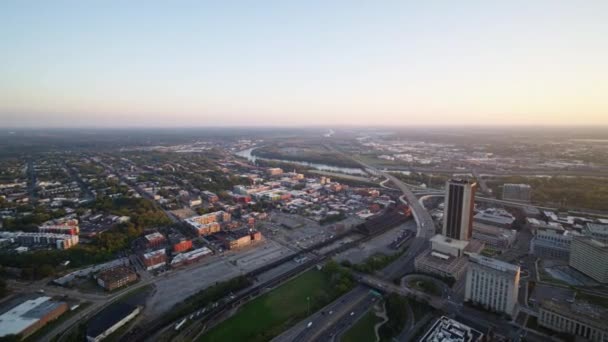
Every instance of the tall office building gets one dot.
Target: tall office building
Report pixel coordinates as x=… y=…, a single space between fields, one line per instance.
x=458 y=210
x=492 y=283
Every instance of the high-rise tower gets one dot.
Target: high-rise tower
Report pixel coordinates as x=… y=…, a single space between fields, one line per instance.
x=458 y=210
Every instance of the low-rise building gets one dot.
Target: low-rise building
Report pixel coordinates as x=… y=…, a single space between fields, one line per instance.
x=236 y=239
x=495 y=217
x=59 y=241
x=492 y=283
x=449 y=246
x=179 y=243
x=439 y=264
x=155 y=240
x=596 y=231
x=552 y=242
x=517 y=192
x=579 y=318
x=109 y=320
x=26 y=318
x=190 y=257
x=446 y=329
x=590 y=257
x=116 y=277
x=153 y=260
x=498 y=238
x=209 y=196
x=208 y=223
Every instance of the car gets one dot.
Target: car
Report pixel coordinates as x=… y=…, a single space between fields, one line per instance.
x=309 y=325
x=352 y=313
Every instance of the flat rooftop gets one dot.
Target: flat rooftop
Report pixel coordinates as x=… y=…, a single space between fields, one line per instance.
x=15 y=320
x=438 y=238
x=493 y=263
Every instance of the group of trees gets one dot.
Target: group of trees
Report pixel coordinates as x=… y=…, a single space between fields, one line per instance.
x=341 y=279
x=31 y=221
x=396 y=311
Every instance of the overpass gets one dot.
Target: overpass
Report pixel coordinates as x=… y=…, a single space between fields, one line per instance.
x=386 y=286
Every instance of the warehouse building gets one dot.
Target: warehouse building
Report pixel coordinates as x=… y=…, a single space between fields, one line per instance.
x=110 y=319
x=26 y=318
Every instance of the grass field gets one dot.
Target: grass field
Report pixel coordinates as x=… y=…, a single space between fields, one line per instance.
x=363 y=330
x=268 y=315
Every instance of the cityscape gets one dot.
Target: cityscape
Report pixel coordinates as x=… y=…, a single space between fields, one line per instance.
x=319 y=171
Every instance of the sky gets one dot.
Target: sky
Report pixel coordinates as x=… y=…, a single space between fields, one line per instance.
x=302 y=63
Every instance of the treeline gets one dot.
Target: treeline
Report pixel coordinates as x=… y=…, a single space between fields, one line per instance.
x=30 y=223
x=319 y=157
x=341 y=279
x=561 y=192
x=396 y=311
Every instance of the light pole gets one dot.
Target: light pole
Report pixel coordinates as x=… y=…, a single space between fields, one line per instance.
x=308 y=303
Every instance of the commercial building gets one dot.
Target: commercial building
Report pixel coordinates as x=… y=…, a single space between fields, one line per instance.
x=109 y=320
x=446 y=329
x=492 y=283
x=448 y=246
x=154 y=259
x=496 y=237
x=179 y=243
x=60 y=229
x=116 y=277
x=275 y=171
x=495 y=217
x=209 y=223
x=439 y=264
x=29 y=316
x=517 y=192
x=238 y=238
x=552 y=242
x=458 y=209
x=578 y=318
x=59 y=241
x=590 y=257
x=596 y=231
x=155 y=240
x=190 y=257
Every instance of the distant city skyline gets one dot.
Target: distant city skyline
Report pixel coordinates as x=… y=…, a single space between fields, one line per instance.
x=315 y=63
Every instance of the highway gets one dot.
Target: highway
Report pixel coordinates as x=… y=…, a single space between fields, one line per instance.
x=327 y=328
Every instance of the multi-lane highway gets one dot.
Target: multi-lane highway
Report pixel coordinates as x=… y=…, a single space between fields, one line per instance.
x=327 y=327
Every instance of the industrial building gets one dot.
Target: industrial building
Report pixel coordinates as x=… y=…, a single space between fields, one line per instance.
x=153 y=260
x=116 y=277
x=109 y=320
x=590 y=257
x=446 y=329
x=29 y=316
x=458 y=209
x=517 y=192
x=492 y=283
x=579 y=318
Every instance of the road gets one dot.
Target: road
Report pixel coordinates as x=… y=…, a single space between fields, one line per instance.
x=339 y=322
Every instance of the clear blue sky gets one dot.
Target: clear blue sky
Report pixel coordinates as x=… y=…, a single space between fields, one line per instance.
x=199 y=63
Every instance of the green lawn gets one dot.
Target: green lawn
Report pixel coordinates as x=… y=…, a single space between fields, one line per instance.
x=268 y=315
x=363 y=330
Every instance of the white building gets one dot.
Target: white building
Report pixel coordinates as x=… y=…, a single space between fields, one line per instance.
x=579 y=319
x=590 y=257
x=597 y=231
x=447 y=329
x=552 y=241
x=492 y=283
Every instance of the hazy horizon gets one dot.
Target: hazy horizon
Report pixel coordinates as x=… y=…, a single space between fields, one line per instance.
x=151 y=64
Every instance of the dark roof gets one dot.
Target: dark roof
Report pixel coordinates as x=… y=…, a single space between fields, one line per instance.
x=108 y=317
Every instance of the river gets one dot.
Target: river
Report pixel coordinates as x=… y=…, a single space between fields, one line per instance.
x=322 y=167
